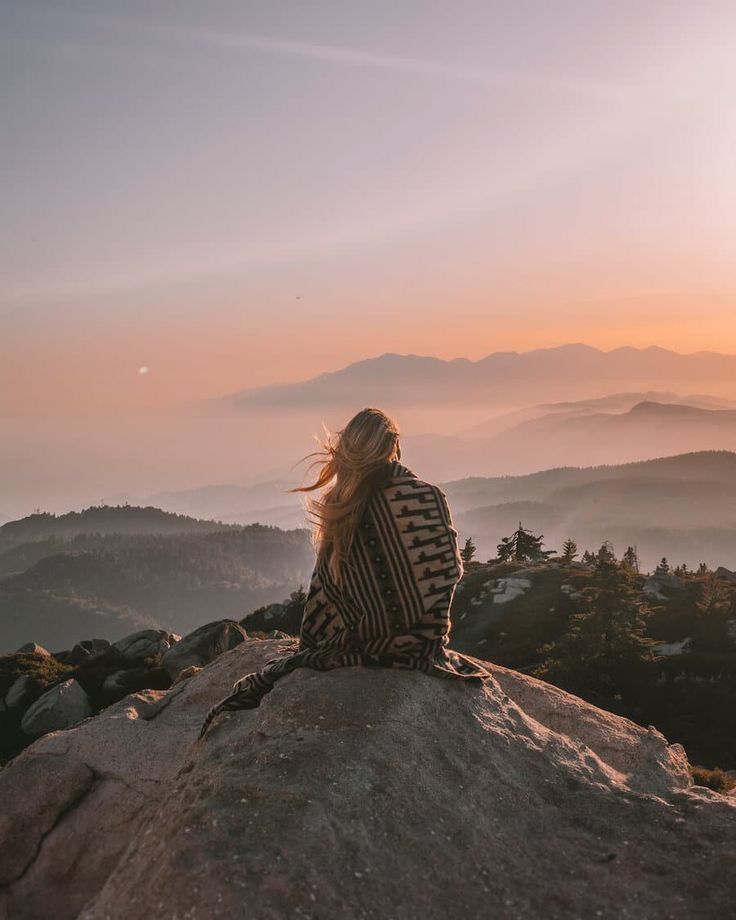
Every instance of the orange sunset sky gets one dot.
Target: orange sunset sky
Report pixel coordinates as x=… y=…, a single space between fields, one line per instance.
x=237 y=194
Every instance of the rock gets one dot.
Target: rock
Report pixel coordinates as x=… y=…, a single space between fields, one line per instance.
x=203 y=645
x=652 y=586
x=33 y=648
x=21 y=692
x=87 y=650
x=186 y=674
x=360 y=793
x=60 y=707
x=670 y=649
x=114 y=683
x=146 y=643
x=286 y=618
x=723 y=572
x=571 y=591
x=131 y=680
x=508 y=589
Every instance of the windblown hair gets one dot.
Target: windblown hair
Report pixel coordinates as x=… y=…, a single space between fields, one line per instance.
x=355 y=460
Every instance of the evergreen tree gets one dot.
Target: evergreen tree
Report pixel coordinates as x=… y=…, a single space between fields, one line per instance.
x=703 y=569
x=569 y=550
x=588 y=558
x=522 y=546
x=604 y=649
x=605 y=554
x=715 y=598
x=663 y=568
x=468 y=551
x=630 y=559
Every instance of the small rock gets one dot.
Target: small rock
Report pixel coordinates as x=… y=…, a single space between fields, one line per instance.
x=86 y=650
x=21 y=692
x=186 y=674
x=60 y=707
x=203 y=645
x=146 y=643
x=33 y=648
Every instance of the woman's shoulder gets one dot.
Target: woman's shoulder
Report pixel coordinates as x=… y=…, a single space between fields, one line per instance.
x=402 y=478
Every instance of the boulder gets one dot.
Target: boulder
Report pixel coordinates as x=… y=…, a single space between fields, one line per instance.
x=130 y=680
x=508 y=589
x=60 y=707
x=21 y=692
x=203 y=645
x=33 y=648
x=723 y=572
x=87 y=650
x=145 y=643
x=360 y=792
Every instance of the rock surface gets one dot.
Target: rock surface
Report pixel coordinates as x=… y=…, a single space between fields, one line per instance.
x=203 y=645
x=365 y=793
x=62 y=706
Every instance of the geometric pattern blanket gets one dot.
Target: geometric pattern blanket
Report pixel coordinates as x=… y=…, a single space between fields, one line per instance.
x=393 y=608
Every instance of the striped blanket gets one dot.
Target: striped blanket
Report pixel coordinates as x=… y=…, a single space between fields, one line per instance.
x=393 y=609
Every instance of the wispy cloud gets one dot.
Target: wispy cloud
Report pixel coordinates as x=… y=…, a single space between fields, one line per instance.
x=396 y=63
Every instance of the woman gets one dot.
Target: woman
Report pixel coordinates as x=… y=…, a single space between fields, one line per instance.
x=386 y=570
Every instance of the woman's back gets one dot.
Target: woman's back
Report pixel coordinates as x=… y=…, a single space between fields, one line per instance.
x=385 y=574
x=400 y=573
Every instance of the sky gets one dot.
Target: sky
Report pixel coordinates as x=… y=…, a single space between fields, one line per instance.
x=200 y=198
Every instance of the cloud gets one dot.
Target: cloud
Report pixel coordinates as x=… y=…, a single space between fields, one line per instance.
x=355 y=57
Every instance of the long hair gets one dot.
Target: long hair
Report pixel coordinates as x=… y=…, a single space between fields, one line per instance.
x=355 y=459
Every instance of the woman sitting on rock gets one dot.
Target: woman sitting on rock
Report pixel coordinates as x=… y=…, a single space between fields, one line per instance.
x=386 y=570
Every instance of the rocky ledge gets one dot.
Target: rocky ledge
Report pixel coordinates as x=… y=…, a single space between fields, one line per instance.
x=361 y=793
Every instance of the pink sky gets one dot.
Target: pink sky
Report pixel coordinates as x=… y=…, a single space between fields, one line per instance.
x=232 y=195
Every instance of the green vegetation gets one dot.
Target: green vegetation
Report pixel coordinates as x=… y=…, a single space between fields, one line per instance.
x=522 y=546
x=659 y=649
x=715 y=779
x=604 y=647
x=468 y=551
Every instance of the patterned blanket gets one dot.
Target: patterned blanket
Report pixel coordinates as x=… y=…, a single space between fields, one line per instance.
x=393 y=609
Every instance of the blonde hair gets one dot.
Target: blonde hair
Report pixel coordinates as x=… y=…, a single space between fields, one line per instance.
x=355 y=459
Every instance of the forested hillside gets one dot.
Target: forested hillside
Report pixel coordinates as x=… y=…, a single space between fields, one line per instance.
x=61 y=585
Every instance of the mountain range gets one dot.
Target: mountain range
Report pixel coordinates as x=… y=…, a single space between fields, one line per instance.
x=502 y=378
x=681 y=507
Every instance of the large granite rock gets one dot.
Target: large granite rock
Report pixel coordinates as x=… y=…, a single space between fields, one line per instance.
x=62 y=706
x=365 y=793
x=145 y=643
x=202 y=646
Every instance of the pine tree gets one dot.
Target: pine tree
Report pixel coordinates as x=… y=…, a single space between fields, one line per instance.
x=569 y=550
x=588 y=558
x=605 y=647
x=663 y=568
x=522 y=546
x=703 y=569
x=468 y=551
x=715 y=597
x=630 y=559
x=605 y=554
